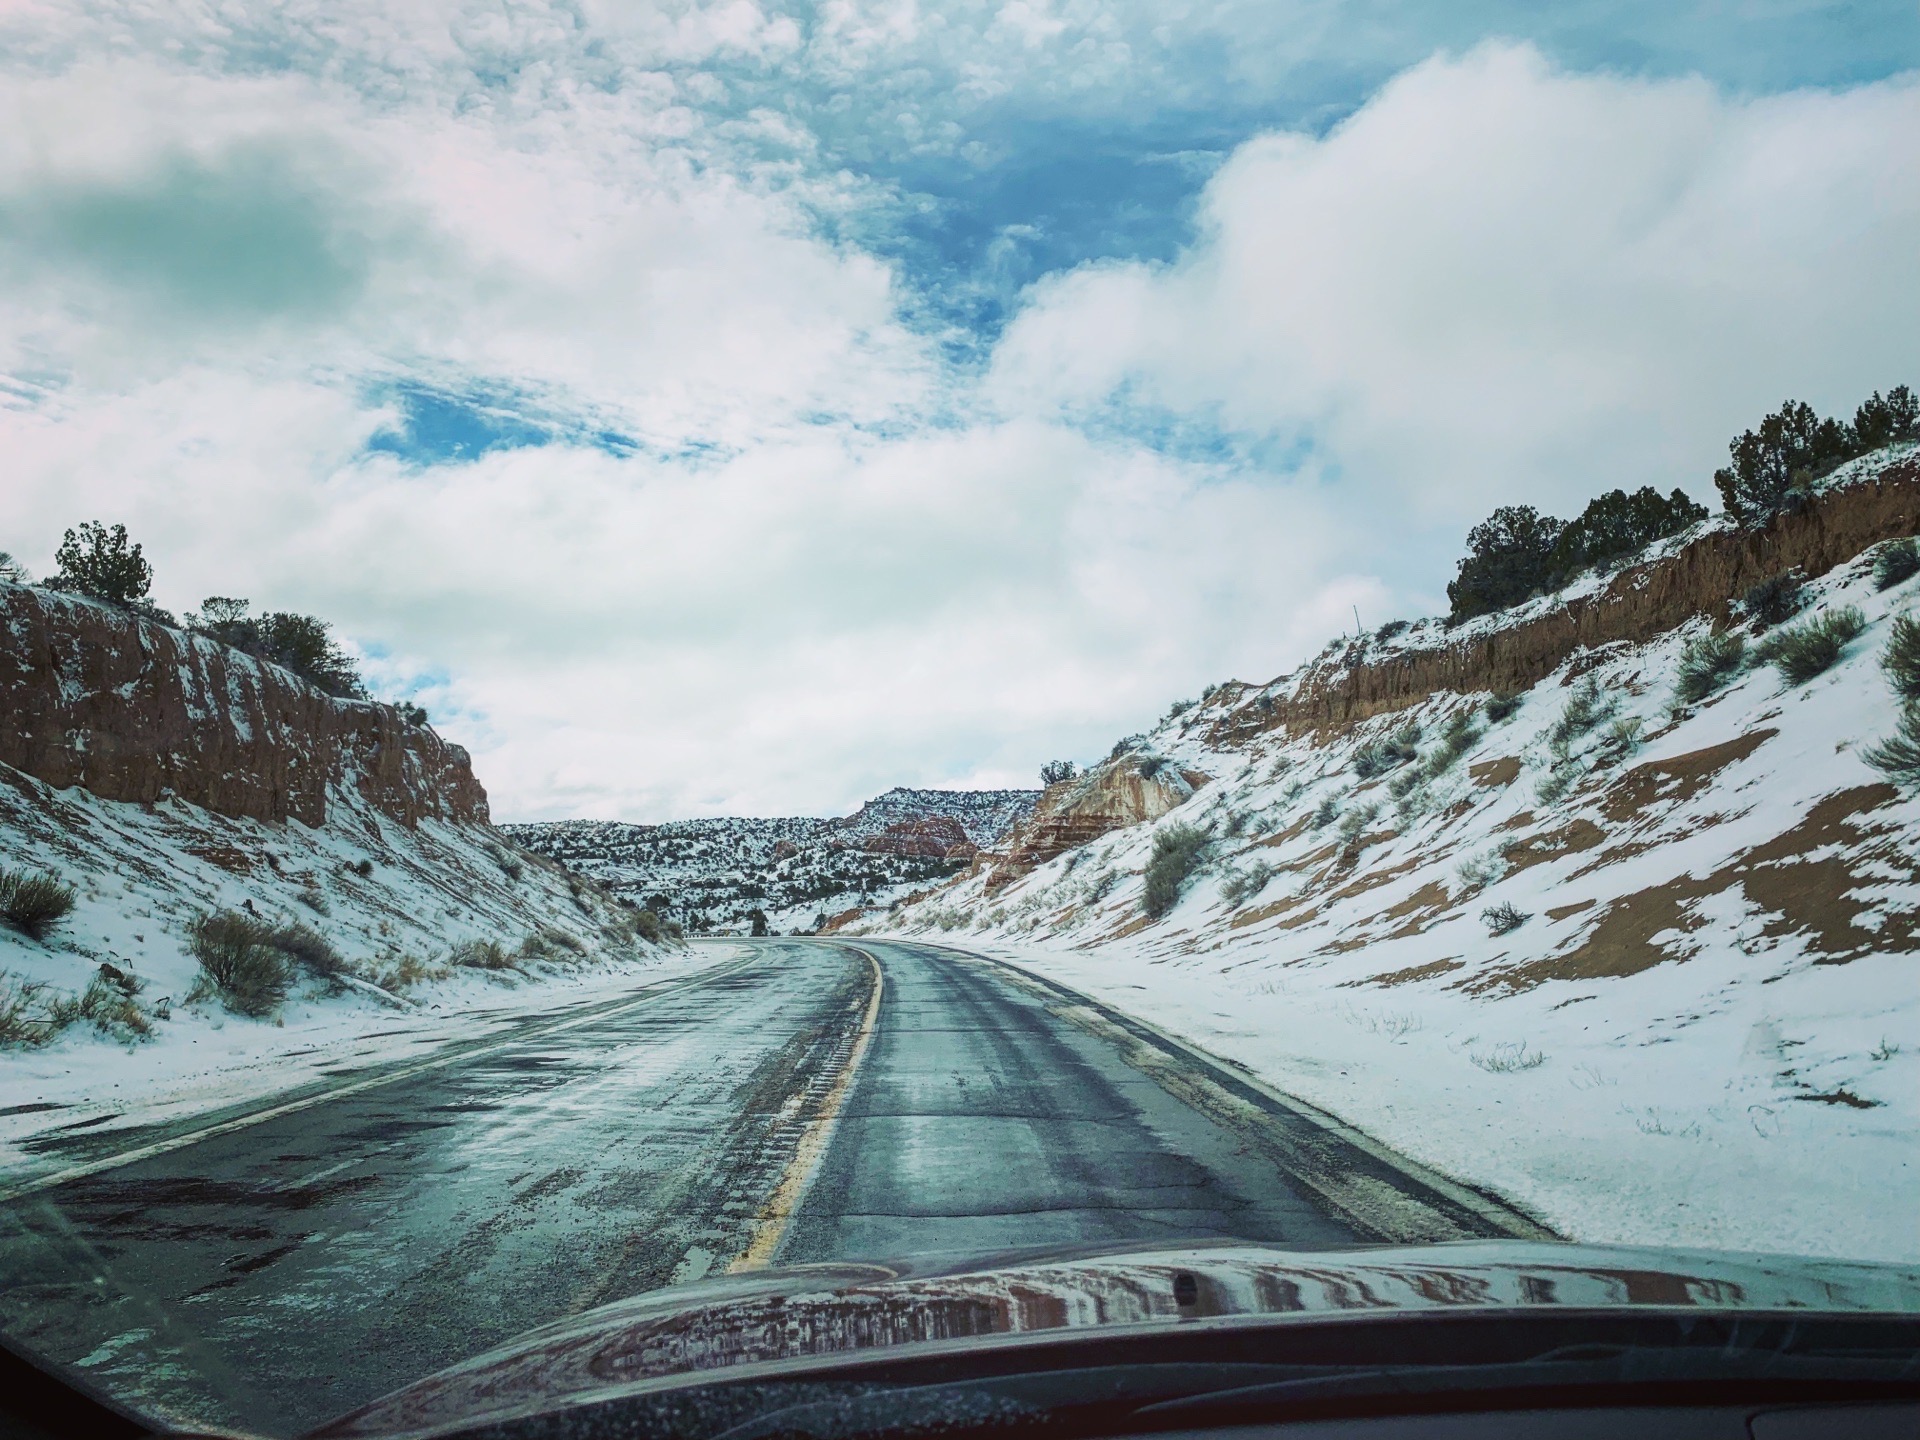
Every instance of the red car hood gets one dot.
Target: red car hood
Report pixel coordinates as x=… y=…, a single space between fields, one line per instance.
x=777 y=1319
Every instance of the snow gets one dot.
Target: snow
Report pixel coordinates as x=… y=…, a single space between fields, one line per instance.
x=712 y=874
x=143 y=873
x=1720 y=1047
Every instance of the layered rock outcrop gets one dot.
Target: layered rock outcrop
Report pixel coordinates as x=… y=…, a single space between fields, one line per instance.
x=1701 y=579
x=1127 y=790
x=132 y=710
x=935 y=837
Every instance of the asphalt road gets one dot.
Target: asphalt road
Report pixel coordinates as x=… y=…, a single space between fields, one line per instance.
x=815 y=1101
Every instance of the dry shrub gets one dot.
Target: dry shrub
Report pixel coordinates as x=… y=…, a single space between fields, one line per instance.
x=1800 y=652
x=240 y=961
x=1708 y=662
x=34 y=903
x=483 y=955
x=1176 y=854
x=110 y=1009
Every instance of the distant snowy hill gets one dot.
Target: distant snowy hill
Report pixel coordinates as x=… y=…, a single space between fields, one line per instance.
x=1516 y=900
x=710 y=875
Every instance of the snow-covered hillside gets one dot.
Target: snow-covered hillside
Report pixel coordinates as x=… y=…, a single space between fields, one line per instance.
x=395 y=909
x=710 y=875
x=1648 y=967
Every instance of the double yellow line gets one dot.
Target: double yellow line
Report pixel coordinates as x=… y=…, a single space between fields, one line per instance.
x=770 y=1226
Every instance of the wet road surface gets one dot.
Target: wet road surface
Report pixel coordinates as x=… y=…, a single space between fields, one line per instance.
x=816 y=1101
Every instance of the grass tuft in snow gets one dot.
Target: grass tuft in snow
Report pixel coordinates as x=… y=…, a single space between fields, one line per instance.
x=1800 y=652
x=1240 y=886
x=110 y=1008
x=1501 y=705
x=1504 y=918
x=17 y=1027
x=484 y=955
x=1176 y=855
x=1707 y=663
x=1901 y=660
x=1620 y=739
x=1897 y=560
x=1509 y=1058
x=510 y=864
x=33 y=903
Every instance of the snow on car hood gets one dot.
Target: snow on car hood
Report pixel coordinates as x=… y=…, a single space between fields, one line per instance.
x=779 y=1318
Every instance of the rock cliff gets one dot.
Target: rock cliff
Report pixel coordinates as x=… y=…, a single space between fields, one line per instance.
x=128 y=709
x=1128 y=789
x=1878 y=501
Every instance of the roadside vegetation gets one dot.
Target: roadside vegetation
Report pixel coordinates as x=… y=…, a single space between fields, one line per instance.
x=251 y=965
x=1177 y=852
x=34 y=903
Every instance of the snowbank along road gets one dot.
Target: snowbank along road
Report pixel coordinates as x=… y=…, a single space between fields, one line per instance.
x=812 y=1101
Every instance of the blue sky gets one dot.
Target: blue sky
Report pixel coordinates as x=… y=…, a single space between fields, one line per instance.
x=726 y=406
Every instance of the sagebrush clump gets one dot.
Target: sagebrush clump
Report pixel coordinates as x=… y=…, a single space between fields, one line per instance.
x=1773 y=601
x=1898 y=560
x=1176 y=855
x=1898 y=756
x=1901 y=661
x=252 y=964
x=1382 y=755
x=34 y=903
x=239 y=962
x=1707 y=663
x=1800 y=652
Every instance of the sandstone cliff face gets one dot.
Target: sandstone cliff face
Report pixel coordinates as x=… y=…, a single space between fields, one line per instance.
x=129 y=710
x=1638 y=604
x=937 y=837
x=1122 y=792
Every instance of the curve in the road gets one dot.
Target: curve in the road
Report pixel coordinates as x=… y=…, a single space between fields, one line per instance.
x=273 y=1266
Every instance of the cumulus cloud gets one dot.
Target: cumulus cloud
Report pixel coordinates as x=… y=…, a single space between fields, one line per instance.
x=1500 y=282
x=744 y=536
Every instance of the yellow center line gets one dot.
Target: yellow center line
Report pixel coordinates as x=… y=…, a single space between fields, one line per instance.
x=770 y=1227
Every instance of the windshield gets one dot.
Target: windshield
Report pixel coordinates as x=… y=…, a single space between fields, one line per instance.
x=646 y=645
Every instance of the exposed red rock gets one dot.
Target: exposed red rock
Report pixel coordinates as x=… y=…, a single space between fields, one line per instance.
x=1126 y=790
x=132 y=710
x=1639 y=603
x=936 y=837
x=842 y=920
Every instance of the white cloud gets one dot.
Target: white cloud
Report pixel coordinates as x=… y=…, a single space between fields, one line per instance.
x=1497 y=282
